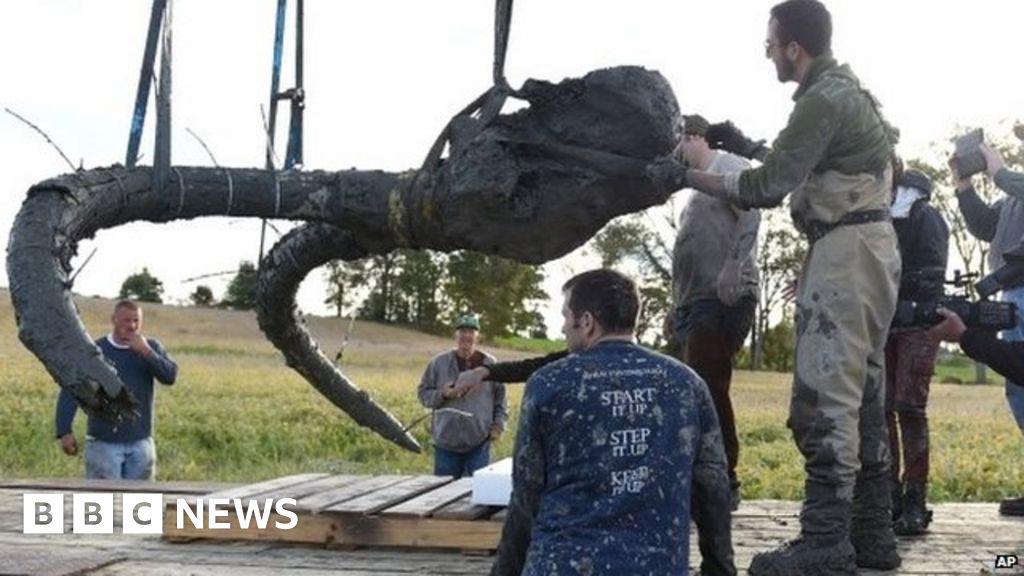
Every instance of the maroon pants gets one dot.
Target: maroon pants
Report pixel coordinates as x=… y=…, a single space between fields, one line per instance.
x=909 y=365
x=708 y=351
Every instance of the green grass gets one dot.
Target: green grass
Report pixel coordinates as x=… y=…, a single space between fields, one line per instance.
x=237 y=413
x=536 y=345
x=959 y=369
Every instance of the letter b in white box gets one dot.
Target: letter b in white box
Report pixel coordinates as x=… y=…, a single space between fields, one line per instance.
x=43 y=514
x=142 y=513
x=92 y=512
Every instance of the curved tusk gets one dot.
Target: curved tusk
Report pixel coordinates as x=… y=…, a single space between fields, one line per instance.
x=300 y=251
x=59 y=212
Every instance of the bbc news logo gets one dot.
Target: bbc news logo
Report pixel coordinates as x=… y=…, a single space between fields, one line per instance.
x=143 y=513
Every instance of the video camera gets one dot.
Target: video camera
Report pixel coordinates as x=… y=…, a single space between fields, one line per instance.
x=983 y=314
x=1010 y=275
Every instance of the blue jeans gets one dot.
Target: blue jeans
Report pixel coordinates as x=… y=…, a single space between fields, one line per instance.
x=126 y=460
x=1014 y=390
x=735 y=320
x=459 y=464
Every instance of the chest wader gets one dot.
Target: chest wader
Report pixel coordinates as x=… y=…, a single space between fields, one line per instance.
x=845 y=302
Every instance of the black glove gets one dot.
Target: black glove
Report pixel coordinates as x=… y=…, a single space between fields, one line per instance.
x=726 y=136
x=667 y=173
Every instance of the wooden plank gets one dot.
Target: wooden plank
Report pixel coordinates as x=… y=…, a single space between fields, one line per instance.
x=56 y=560
x=425 y=504
x=309 y=488
x=111 y=485
x=250 y=490
x=354 y=530
x=465 y=509
x=376 y=501
x=316 y=502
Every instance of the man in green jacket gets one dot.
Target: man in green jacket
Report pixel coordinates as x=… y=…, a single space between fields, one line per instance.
x=834 y=156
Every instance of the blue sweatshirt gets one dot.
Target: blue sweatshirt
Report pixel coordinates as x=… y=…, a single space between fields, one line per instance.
x=614 y=443
x=137 y=373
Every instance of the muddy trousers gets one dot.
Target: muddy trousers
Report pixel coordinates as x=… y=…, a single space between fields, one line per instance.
x=845 y=302
x=708 y=351
x=909 y=365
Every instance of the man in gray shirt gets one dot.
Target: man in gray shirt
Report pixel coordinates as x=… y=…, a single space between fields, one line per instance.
x=714 y=281
x=464 y=422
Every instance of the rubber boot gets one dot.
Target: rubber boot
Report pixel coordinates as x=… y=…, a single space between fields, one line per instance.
x=896 y=498
x=1012 y=507
x=823 y=548
x=734 y=494
x=916 y=517
x=872 y=531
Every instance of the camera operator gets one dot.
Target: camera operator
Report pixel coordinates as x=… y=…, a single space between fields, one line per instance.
x=1006 y=358
x=1002 y=225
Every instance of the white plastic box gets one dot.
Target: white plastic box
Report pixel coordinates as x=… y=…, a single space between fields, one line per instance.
x=492 y=485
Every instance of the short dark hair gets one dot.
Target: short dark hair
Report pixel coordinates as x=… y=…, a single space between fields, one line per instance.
x=806 y=22
x=610 y=297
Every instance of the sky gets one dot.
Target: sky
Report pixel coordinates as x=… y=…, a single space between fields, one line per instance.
x=383 y=77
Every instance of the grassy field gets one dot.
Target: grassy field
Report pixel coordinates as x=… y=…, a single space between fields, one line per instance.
x=237 y=413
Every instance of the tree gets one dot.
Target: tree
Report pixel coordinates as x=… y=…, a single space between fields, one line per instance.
x=780 y=254
x=416 y=288
x=202 y=297
x=343 y=280
x=142 y=286
x=241 y=294
x=504 y=292
x=380 y=274
x=629 y=240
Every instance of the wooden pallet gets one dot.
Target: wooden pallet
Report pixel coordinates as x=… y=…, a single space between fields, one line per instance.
x=350 y=511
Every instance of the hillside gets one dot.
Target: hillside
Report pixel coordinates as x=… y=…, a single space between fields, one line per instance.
x=199 y=330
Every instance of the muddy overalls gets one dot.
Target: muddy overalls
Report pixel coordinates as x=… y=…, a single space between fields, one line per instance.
x=834 y=157
x=845 y=302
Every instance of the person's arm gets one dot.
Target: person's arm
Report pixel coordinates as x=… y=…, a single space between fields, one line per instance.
x=512 y=371
x=1010 y=182
x=711 y=505
x=66 y=409
x=528 y=478
x=162 y=366
x=427 y=392
x=500 y=416
x=794 y=154
x=980 y=218
x=730 y=278
x=520 y=370
x=930 y=249
x=1006 y=358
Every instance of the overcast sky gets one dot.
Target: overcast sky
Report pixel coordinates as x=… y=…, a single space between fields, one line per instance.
x=384 y=76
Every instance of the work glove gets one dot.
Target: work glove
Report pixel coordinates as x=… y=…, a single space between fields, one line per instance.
x=726 y=136
x=667 y=174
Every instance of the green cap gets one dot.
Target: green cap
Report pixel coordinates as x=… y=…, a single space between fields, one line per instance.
x=468 y=321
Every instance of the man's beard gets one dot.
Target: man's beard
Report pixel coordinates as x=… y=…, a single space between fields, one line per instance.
x=785 y=70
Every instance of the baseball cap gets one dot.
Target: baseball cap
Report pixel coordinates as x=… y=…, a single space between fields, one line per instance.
x=468 y=321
